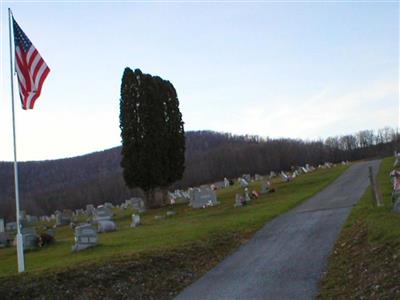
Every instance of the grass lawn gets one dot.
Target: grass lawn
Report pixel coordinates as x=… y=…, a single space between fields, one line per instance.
x=186 y=227
x=366 y=261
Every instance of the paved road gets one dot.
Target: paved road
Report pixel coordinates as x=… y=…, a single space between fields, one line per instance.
x=285 y=259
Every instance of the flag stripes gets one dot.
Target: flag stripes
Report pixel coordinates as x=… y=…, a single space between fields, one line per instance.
x=30 y=67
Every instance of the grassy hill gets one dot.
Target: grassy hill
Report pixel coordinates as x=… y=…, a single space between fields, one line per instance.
x=214 y=232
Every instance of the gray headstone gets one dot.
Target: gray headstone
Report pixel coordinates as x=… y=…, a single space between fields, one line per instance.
x=219 y=185
x=396 y=206
x=258 y=177
x=136 y=203
x=90 y=209
x=62 y=219
x=243 y=183
x=108 y=205
x=30 y=238
x=201 y=198
x=246 y=195
x=4 y=239
x=238 y=200
x=2 y=225
x=135 y=220
x=102 y=214
x=106 y=226
x=11 y=226
x=171 y=213
x=31 y=220
x=85 y=237
x=265 y=188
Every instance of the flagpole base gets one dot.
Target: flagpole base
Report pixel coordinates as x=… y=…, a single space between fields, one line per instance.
x=20 y=253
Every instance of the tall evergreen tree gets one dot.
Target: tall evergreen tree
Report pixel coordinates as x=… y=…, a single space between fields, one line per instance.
x=153 y=139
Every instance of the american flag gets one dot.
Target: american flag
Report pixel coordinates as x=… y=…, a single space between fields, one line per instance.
x=30 y=67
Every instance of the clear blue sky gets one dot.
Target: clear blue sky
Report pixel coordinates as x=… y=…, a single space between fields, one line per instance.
x=300 y=70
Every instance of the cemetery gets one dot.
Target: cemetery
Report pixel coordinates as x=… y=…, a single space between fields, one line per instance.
x=115 y=233
x=207 y=212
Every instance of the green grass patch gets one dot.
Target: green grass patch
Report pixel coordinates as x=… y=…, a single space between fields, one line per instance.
x=186 y=227
x=365 y=263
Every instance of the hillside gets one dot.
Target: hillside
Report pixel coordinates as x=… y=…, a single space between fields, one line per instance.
x=96 y=177
x=160 y=257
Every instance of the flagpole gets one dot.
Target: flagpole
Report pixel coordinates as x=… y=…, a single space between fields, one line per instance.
x=20 y=248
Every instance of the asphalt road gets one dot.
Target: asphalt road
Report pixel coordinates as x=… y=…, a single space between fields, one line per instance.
x=286 y=258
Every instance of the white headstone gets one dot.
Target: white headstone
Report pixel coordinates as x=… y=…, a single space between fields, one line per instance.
x=135 y=220
x=226 y=182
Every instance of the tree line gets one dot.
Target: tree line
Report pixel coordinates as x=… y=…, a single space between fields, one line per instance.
x=210 y=156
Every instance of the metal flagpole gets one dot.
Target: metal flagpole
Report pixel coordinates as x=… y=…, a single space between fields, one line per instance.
x=20 y=248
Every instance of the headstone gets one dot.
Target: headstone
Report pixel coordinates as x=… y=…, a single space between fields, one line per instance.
x=243 y=183
x=202 y=198
x=258 y=177
x=79 y=212
x=85 y=237
x=102 y=214
x=219 y=185
x=106 y=226
x=62 y=219
x=4 y=239
x=284 y=176
x=395 y=178
x=397 y=160
x=180 y=196
x=246 y=177
x=304 y=170
x=31 y=220
x=135 y=220
x=172 y=198
x=11 y=226
x=246 y=195
x=396 y=207
x=22 y=218
x=108 y=205
x=170 y=213
x=30 y=238
x=136 y=203
x=226 y=182
x=265 y=186
x=1 y=225
x=159 y=217
x=90 y=209
x=239 y=200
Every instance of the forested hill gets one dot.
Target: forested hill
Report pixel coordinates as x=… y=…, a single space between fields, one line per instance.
x=96 y=178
